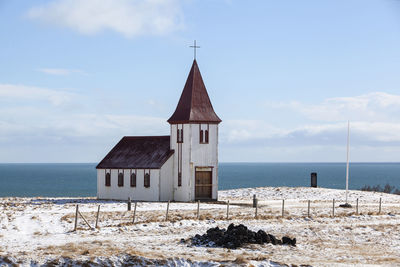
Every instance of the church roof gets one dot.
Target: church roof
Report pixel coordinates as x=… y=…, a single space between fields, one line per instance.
x=138 y=152
x=194 y=104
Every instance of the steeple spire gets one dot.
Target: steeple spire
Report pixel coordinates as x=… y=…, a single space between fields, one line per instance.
x=194 y=106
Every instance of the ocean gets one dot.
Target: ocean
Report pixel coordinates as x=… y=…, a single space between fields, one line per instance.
x=70 y=179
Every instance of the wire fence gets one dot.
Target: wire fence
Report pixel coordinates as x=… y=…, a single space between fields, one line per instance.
x=264 y=209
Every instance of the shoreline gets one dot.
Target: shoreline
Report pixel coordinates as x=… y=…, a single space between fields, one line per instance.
x=267 y=192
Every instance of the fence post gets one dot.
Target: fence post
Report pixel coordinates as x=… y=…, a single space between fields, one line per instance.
x=357 y=207
x=308 y=210
x=166 y=215
x=198 y=209
x=283 y=207
x=85 y=220
x=76 y=217
x=380 y=205
x=256 y=209
x=129 y=203
x=134 y=212
x=333 y=208
x=227 y=211
x=97 y=216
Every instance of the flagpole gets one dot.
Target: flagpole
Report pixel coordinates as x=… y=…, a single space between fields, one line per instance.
x=347 y=166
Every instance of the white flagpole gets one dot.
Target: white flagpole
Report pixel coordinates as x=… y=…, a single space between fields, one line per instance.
x=347 y=166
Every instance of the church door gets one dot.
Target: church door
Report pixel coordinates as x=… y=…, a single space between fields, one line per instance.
x=203 y=186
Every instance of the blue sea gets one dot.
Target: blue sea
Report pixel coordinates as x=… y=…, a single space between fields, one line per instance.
x=56 y=180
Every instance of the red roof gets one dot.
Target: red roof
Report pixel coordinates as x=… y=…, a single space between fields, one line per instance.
x=138 y=152
x=194 y=104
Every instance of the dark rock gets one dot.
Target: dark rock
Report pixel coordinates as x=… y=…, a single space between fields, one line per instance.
x=288 y=241
x=237 y=236
x=272 y=239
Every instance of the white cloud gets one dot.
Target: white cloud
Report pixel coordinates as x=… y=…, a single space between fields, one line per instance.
x=63 y=72
x=127 y=17
x=22 y=92
x=33 y=114
x=106 y=125
x=30 y=119
x=243 y=130
x=376 y=106
x=257 y=133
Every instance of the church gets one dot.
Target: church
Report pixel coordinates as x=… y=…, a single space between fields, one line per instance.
x=182 y=166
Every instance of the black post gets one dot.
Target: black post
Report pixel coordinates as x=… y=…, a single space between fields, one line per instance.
x=313 y=179
x=254 y=201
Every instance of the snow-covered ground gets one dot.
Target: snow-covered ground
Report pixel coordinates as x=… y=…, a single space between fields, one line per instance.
x=35 y=231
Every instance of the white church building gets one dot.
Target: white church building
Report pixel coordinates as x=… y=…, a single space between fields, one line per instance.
x=182 y=166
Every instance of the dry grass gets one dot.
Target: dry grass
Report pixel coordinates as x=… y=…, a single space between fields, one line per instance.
x=96 y=248
x=112 y=219
x=241 y=260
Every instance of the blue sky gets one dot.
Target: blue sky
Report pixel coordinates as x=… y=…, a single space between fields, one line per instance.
x=284 y=76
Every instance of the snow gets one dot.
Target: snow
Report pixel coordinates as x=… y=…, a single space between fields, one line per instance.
x=35 y=231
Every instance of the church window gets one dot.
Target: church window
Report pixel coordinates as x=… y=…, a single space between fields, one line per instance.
x=203 y=135
x=133 y=179
x=108 y=179
x=147 y=180
x=179 y=135
x=179 y=179
x=121 y=179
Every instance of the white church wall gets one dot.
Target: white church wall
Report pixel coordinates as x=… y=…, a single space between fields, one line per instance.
x=194 y=155
x=183 y=192
x=100 y=182
x=205 y=155
x=166 y=180
x=124 y=192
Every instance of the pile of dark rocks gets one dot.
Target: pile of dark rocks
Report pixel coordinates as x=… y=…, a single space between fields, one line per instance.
x=236 y=236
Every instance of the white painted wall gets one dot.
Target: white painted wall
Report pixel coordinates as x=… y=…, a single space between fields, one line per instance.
x=123 y=193
x=205 y=155
x=166 y=180
x=182 y=193
x=194 y=155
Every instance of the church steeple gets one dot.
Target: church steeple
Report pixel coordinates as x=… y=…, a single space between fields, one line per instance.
x=194 y=106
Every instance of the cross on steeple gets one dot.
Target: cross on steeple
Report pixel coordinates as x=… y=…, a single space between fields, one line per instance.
x=194 y=48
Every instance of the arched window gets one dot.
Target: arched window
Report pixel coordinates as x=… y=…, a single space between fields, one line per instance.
x=121 y=179
x=179 y=135
x=108 y=179
x=147 y=180
x=133 y=179
x=201 y=136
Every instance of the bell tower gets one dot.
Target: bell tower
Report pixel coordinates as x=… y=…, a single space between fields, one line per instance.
x=194 y=137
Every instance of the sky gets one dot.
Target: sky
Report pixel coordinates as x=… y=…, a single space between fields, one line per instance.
x=284 y=76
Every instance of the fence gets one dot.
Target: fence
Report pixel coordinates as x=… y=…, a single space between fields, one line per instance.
x=270 y=209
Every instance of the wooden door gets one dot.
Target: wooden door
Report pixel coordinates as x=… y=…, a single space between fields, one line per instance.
x=203 y=186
